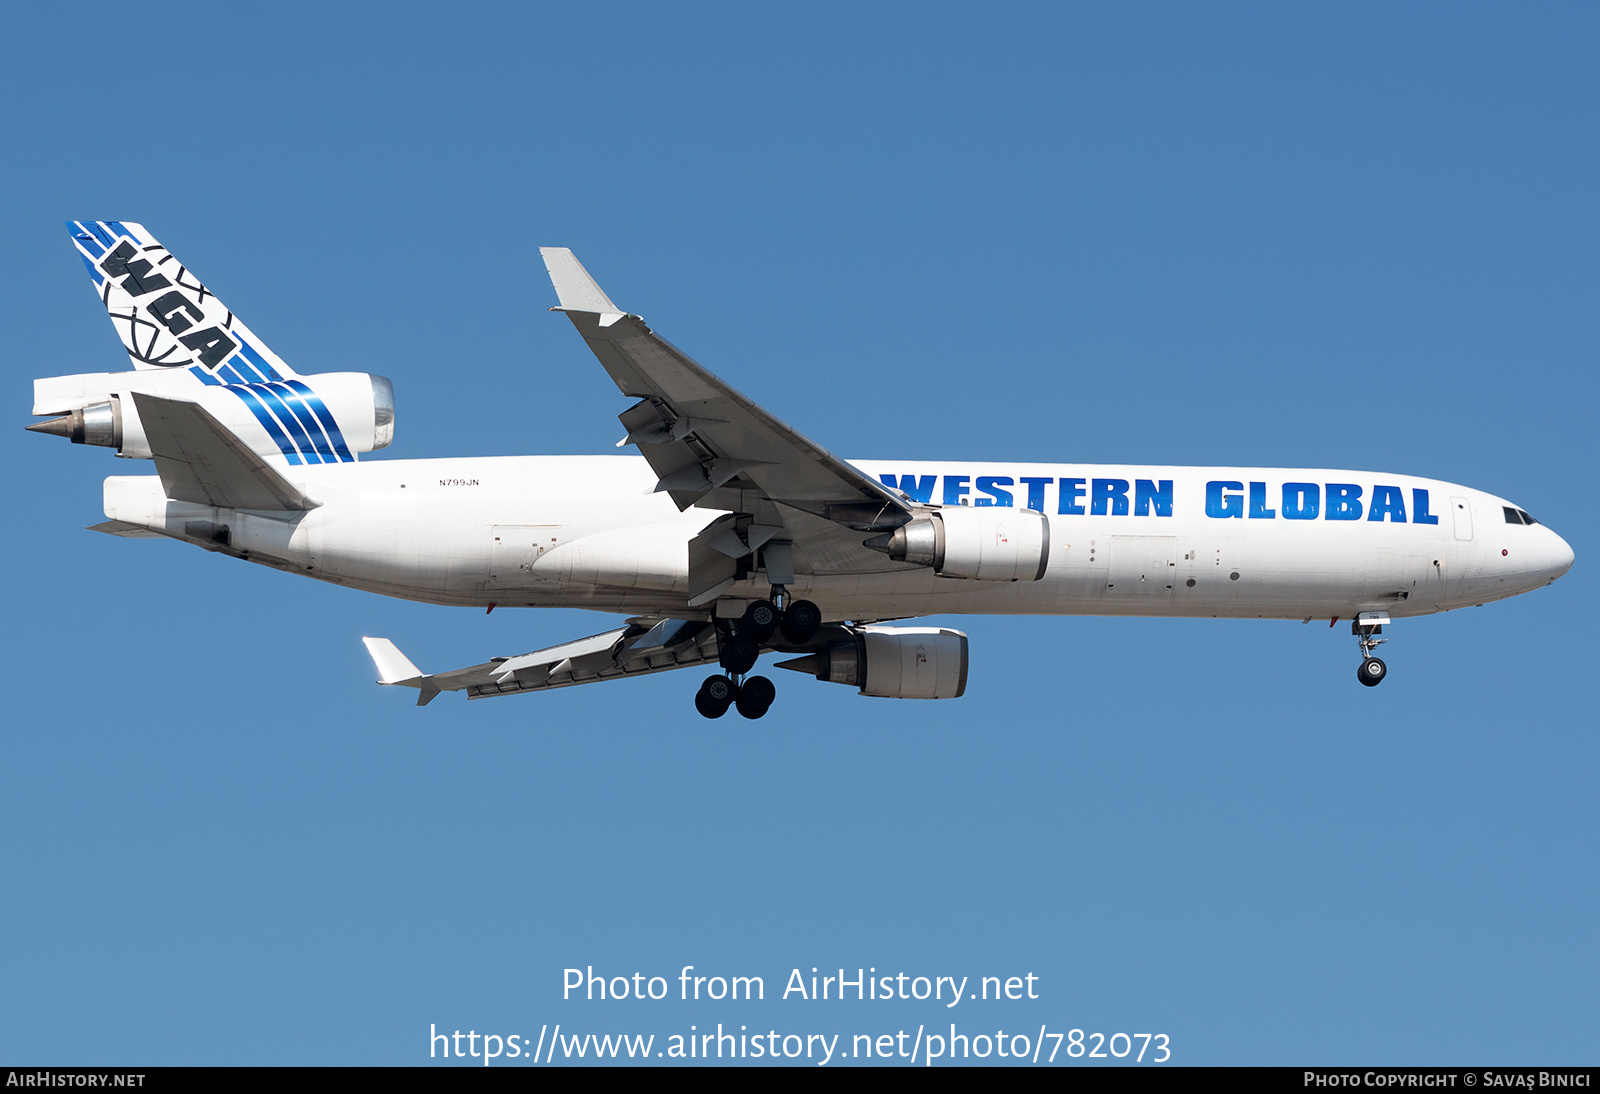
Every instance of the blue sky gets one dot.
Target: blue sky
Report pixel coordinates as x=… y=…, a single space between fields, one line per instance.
x=1358 y=237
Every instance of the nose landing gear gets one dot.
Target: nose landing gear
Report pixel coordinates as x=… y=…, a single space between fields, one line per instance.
x=1372 y=670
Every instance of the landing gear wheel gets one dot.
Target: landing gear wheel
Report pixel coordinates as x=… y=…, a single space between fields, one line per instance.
x=755 y=696
x=715 y=696
x=760 y=619
x=800 y=622
x=738 y=654
x=1372 y=672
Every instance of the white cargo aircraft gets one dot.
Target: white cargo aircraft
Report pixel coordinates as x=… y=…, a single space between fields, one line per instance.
x=730 y=533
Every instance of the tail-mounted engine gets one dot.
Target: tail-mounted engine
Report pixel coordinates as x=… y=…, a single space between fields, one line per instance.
x=309 y=419
x=892 y=662
x=982 y=544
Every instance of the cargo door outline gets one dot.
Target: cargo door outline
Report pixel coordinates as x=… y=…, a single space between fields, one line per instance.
x=1142 y=567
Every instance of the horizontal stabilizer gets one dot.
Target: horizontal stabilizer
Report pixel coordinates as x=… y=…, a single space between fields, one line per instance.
x=201 y=461
x=125 y=530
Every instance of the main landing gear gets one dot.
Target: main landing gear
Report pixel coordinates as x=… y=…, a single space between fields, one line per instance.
x=1372 y=670
x=718 y=693
x=740 y=646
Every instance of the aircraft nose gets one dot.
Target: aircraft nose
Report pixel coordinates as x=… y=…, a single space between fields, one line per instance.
x=1560 y=556
x=1545 y=557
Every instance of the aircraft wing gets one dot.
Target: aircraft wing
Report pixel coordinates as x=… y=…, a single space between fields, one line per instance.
x=633 y=650
x=712 y=447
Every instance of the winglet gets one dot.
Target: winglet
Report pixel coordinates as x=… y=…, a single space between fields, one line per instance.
x=395 y=667
x=575 y=288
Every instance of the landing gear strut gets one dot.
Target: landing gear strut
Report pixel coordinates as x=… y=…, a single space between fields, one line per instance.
x=1372 y=670
x=740 y=646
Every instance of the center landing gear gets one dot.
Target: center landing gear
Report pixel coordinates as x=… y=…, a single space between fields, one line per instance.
x=740 y=647
x=1372 y=670
x=798 y=620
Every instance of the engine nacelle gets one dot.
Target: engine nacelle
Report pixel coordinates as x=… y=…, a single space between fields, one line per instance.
x=312 y=415
x=991 y=543
x=893 y=662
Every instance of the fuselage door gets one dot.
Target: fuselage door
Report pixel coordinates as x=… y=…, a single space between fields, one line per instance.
x=1142 y=566
x=1461 y=509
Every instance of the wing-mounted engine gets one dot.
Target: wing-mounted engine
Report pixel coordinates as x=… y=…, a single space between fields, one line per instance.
x=892 y=662
x=981 y=544
x=307 y=419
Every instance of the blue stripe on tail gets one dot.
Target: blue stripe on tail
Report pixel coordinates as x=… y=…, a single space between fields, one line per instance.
x=325 y=416
x=253 y=355
x=84 y=239
x=307 y=421
x=264 y=416
x=291 y=423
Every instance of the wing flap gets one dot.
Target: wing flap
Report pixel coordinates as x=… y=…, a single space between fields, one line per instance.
x=201 y=461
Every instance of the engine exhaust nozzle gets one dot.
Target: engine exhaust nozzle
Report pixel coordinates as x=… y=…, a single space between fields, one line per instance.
x=97 y=425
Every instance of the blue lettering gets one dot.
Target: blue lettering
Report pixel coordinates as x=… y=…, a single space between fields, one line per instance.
x=1035 y=492
x=1219 y=504
x=1258 y=502
x=909 y=485
x=1301 y=500
x=1114 y=491
x=1344 y=501
x=1387 y=501
x=1147 y=493
x=1071 y=495
x=954 y=487
x=991 y=484
x=1419 y=508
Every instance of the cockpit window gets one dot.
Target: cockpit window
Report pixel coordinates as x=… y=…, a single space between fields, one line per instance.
x=1513 y=516
x=1527 y=518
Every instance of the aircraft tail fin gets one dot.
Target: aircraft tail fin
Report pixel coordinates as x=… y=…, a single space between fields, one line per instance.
x=164 y=315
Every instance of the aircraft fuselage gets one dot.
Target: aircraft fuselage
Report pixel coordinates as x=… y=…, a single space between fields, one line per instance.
x=587 y=532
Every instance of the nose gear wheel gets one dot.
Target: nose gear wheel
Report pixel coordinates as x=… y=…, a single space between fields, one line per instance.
x=1372 y=670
